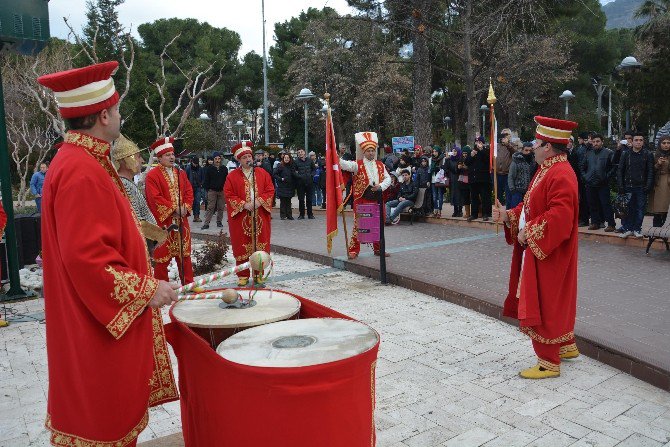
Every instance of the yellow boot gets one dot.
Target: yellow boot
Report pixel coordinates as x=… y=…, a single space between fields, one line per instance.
x=241 y=282
x=259 y=280
x=568 y=352
x=538 y=372
x=198 y=289
x=3 y=323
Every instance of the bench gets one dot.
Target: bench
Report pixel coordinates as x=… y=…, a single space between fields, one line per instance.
x=662 y=233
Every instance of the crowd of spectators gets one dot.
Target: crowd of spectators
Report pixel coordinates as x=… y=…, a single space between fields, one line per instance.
x=632 y=175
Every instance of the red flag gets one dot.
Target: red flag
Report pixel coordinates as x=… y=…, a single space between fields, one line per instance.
x=334 y=183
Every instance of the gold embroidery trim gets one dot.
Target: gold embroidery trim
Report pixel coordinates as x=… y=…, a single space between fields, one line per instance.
x=513 y=223
x=162 y=384
x=60 y=439
x=249 y=249
x=163 y=212
x=537 y=251
x=536 y=231
x=171 y=249
x=533 y=234
x=236 y=206
x=547 y=341
x=548 y=365
x=96 y=147
x=136 y=293
x=567 y=348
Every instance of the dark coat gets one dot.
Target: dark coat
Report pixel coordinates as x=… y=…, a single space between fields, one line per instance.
x=479 y=166
x=305 y=170
x=215 y=178
x=521 y=171
x=408 y=191
x=196 y=175
x=636 y=169
x=285 y=176
x=597 y=167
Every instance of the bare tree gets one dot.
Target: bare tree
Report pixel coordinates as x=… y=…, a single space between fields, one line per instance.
x=125 y=47
x=197 y=82
x=29 y=142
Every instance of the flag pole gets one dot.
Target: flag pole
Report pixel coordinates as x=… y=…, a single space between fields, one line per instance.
x=344 y=220
x=491 y=100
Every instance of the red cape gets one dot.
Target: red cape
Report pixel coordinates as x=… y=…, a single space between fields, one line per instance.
x=237 y=191
x=108 y=361
x=163 y=198
x=543 y=288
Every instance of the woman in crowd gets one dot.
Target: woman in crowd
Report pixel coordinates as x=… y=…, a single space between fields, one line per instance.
x=423 y=181
x=284 y=175
x=659 y=199
x=463 y=180
x=437 y=181
x=521 y=171
x=452 y=160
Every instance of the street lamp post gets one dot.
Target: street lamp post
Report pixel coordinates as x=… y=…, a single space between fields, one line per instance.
x=239 y=124
x=305 y=95
x=447 y=121
x=484 y=109
x=628 y=63
x=567 y=96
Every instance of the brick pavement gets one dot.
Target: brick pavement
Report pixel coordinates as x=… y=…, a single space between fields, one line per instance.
x=446 y=376
x=623 y=307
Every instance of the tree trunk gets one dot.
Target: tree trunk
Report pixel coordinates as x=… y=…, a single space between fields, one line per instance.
x=472 y=104
x=421 y=77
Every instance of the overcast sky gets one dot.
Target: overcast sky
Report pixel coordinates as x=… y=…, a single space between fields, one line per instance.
x=242 y=16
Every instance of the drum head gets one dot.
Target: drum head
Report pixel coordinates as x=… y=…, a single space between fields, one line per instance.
x=270 y=306
x=294 y=343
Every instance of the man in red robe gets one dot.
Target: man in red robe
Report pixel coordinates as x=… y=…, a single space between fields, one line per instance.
x=108 y=361
x=248 y=194
x=368 y=174
x=543 y=230
x=170 y=197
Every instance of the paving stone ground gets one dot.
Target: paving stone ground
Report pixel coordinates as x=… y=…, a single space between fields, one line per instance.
x=622 y=299
x=446 y=376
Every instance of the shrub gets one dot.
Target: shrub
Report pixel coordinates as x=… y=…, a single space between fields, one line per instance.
x=211 y=256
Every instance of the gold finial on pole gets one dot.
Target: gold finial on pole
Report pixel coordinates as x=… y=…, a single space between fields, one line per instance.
x=492 y=96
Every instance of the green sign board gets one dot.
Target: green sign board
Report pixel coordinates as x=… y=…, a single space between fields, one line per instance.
x=24 y=26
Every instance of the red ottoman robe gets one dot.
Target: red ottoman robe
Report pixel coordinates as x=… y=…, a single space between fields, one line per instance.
x=237 y=191
x=108 y=361
x=163 y=200
x=543 y=297
x=360 y=183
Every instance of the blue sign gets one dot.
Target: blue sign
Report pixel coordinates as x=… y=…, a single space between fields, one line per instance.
x=402 y=143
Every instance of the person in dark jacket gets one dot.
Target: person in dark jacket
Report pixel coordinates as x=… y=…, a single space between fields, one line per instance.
x=322 y=181
x=423 y=181
x=521 y=171
x=597 y=169
x=464 y=180
x=305 y=169
x=583 y=146
x=214 y=179
x=406 y=196
x=635 y=177
x=285 y=176
x=196 y=176
x=452 y=161
x=479 y=167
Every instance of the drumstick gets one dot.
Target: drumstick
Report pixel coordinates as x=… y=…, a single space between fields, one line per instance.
x=205 y=279
x=201 y=296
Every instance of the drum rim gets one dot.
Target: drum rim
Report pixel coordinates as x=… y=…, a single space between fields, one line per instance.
x=374 y=331
x=296 y=301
